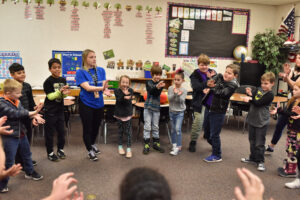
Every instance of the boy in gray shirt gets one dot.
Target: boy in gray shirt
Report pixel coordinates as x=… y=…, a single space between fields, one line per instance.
x=258 y=119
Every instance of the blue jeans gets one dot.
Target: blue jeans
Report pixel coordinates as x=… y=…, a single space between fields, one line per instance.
x=151 y=122
x=10 y=146
x=176 y=119
x=280 y=125
x=213 y=129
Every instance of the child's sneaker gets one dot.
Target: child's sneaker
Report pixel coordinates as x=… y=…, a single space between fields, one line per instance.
x=213 y=158
x=290 y=168
x=261 y=167
x=4 y=190
x=52 y=157
x=146 y=149
x=34 y=176
x=248 y=160
x=128 y=154
x=121 y=151
x=156 y=145
x=92 y=156
x=95 y=149
x=269 y=150
x=61 y=154
x=34 y=163
x=294 y=184
x=175 y=151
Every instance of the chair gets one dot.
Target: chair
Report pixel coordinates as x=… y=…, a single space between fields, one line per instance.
x=108 y=118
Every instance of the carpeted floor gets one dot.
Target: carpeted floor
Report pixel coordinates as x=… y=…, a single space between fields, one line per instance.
x=189 y=176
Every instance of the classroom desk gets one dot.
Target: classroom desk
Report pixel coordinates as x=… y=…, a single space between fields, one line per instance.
x=35 y=92
x=168 y=81
x=239 y=97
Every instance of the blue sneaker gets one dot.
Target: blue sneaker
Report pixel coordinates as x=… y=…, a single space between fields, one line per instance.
x=213 y=158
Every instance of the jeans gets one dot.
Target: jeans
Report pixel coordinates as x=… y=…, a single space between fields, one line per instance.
x=213 y=130
x=151 y=122
x=176 y=119
x=280 y=125
x=197 y=124
x=91 y=119
x=10 y=146
x=28 y=125
x=54 y=122
x=257 y=139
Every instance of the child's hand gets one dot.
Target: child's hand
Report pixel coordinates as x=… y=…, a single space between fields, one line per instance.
x=211 y=83
x=253 y=186
x=296 y=109
x=12 y=171
x=3 y=120
x=127 y=97
x=66 y=91
x=39 y=119
x=211 y=73
x=179 y=92
x=273 y=110
x=248 y=91
x=175 y=90
x=4 y=130
x=107 y=92
x=34 y=122
x=161 y=84
x=39 y=107
x=246 y=99
x=61 y=189
x=40 y=104
x=295 y=117
x=206 y=90
x=286 y=68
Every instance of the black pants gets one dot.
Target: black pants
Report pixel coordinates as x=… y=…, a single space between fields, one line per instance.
x=54 y=122
x=125 y=128
x=27 y=123
x=257 y=139
x=91 y=120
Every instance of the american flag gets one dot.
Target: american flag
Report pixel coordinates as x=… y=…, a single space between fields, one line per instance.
x=288 y=24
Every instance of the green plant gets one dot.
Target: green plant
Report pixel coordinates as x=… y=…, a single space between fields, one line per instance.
x=85 y=4
x=39 y=2
x=74 y=3
x=158 y=9
x=148 y=8
x=265 y=49
x=50 y=2
x=27 y=1
x=139 y=7
x=118 y=6
x=96 y=4
x=107 y=5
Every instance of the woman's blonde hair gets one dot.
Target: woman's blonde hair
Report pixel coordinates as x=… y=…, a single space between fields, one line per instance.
x=294 y=100
x=11 y=85
x=85 y=54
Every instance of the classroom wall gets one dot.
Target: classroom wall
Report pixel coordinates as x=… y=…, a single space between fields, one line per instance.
x=35 y=39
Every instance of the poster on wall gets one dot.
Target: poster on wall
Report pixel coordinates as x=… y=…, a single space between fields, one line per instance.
x=71 y=61
x=6 y=59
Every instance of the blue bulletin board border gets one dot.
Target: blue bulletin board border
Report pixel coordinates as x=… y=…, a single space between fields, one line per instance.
x=71 y=62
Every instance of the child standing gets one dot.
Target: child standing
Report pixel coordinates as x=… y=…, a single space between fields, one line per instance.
x=258 y=119
x=56 y=90
x=152 y=110
x=293 y=137
x=123 y=113
x=18 y=73
x=176 y=96
x=199 y=80
x=11 y=107
x=224 y=87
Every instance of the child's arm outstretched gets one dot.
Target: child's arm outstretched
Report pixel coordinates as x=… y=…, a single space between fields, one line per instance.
x=154 y=89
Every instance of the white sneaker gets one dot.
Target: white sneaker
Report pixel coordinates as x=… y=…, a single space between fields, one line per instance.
x=261 y=167
x=293 y=185
x=175 y=151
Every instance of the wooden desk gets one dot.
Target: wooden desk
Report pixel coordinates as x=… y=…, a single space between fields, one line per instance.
x=239 y=97
x=36 y=92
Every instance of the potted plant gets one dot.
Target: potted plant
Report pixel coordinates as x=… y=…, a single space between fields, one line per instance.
x=265 y=49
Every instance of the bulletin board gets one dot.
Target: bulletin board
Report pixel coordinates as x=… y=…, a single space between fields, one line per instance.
x=71 y=61
x=6 y=59
x=195 y=29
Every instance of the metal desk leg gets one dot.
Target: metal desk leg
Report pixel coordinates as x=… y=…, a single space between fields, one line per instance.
x=105 y=132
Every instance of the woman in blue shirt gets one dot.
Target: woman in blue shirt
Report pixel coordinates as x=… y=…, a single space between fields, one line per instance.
x=92 y=82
